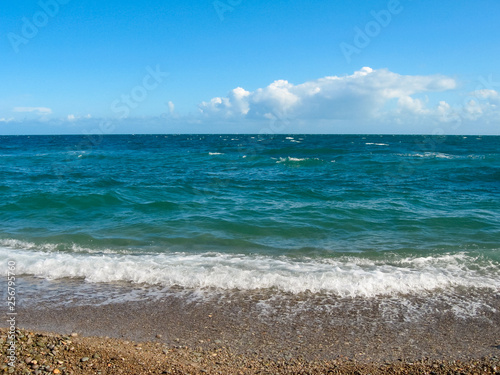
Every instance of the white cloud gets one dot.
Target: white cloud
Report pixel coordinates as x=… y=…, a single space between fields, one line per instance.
x=39 y=110
x=485 y=94
x=171 y=107
x=478 y=106
x=411 y=105
x=235 y=105
x=366 y=101
x=73 y=118
x=363 y=94
x=367 y=98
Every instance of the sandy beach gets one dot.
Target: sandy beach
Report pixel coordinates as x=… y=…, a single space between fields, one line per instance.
x=239 y=332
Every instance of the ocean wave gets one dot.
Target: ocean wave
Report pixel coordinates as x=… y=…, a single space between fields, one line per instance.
x=346 y=276
x=294 y=161
x=48 y=248
x=441 y=155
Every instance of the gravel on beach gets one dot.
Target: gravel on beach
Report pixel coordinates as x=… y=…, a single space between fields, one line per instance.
x=49 y=353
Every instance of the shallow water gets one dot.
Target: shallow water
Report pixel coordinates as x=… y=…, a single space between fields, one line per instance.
x=336 y=215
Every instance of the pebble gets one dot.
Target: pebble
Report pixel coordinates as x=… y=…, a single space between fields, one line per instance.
x=220 y=360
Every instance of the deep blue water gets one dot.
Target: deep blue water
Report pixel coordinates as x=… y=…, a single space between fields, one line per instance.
x=342 y=214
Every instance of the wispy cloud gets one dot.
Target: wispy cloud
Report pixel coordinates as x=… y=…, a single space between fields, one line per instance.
x=72 y=117
x=39 y=110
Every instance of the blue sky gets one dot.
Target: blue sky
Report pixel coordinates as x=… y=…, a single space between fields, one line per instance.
x=250 y=66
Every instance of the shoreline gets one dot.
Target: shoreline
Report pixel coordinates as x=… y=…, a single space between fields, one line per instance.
x=187 y=331
x=357 y=331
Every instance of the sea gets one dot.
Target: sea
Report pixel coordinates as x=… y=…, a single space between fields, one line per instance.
x=92 y=218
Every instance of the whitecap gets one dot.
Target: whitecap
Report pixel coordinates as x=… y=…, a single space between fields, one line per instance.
x=347 y=276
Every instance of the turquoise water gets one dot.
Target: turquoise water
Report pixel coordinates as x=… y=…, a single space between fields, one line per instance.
x=349 y=215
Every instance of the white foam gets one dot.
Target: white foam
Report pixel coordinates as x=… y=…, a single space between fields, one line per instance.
x=347 y=276
x=215 y=153
x=292 y=159
x=440 y=155
x=49 y=247
x=435 y=155
x=283 y=160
